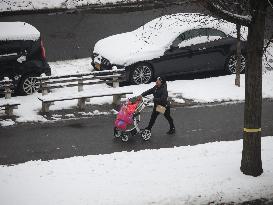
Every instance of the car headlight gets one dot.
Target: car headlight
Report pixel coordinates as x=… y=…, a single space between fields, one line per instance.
x=97 y=59
x=94 y=55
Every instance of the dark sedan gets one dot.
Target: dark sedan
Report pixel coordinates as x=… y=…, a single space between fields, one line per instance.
x=171 y=45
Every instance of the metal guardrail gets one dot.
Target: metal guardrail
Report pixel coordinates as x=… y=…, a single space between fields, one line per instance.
x=8 y=104
x=47 y=83
x=6 y=85
x=96 y=77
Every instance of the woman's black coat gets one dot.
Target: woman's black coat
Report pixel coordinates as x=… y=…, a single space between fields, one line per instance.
x=160 y=94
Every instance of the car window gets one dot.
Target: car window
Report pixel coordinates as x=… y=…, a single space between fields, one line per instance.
x=178 y=40
x=215 y=32
x=198 y=36
x=195 y=33
x=10 y=46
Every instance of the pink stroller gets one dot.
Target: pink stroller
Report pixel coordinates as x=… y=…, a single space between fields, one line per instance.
x=126 y=123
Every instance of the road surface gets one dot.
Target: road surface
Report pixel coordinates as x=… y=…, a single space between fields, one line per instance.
x=92 y=136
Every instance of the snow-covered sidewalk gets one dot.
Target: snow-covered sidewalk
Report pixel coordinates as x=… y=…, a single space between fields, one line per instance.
x=208 y=90
x=182 y=175
x=23 y=5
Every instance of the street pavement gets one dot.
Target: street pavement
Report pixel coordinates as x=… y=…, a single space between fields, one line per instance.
x=94 y=135
x=71 y=35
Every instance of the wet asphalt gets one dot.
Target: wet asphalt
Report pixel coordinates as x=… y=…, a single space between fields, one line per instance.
x=94 y=135
x=71 y=35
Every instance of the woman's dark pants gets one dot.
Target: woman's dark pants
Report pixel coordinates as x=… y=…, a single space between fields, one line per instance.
x=166 y=115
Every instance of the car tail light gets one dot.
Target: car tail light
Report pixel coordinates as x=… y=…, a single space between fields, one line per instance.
x=43 y=53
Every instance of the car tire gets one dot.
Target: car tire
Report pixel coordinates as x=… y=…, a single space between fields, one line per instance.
x=231 y=64
x=141 y=73
x=28 y=84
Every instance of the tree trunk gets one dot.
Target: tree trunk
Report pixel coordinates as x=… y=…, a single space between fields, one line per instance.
x=251 y=163
x=238 y=56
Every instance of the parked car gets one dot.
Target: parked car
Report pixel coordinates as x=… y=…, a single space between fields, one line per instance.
x=22 y=56
x=171 y=45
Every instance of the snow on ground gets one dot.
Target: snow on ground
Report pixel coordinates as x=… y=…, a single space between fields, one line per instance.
x=214 y=89
x=18 y=5
x=181 y=175
x=71 y=66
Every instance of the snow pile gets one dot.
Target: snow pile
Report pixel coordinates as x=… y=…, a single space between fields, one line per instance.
x=19 y=5
x=8 y=102
x=215 y=89
x=154 y=38
x=70 y=67
x=182 y=175
x=29 y=108
x=18 y=31
x=5 y=123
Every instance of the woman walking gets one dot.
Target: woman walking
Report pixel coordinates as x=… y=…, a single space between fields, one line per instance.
x=161 y=104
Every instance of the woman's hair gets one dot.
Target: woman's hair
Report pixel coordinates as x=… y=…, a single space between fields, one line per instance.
x=162 y=79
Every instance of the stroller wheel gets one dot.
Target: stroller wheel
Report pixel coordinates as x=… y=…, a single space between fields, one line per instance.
x=124 y=137
x=146 y=134
x=117 y=133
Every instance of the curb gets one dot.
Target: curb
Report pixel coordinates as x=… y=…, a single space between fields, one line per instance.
x=103 y=8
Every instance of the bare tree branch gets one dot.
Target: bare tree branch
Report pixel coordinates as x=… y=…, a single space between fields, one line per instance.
x=268 y=43
x=270 y=3
x=219 y=9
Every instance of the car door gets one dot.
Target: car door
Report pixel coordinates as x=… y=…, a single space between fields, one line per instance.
x=175 y=60
x=210 y=49
x=8 y=58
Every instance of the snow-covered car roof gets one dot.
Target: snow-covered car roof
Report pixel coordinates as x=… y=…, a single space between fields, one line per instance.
x=154 y=38
x=18 y=31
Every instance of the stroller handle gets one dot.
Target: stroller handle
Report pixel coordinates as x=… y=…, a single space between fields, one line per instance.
x=147 y=100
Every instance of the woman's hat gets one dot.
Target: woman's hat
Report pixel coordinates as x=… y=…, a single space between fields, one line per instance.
x=162 y=79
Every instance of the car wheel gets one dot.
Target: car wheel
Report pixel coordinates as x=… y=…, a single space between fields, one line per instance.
x=231 y=64
x=28 y=84
x=141 y=74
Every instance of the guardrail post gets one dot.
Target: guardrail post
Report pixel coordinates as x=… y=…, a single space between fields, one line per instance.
x=80 y=84
x=7 y=88
x=81 y=103
x=8 y=108
x=45 y=90
x=116 y=98
x=9 y=111
x=115 y=79
x=44 y=86
x=45 y=107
